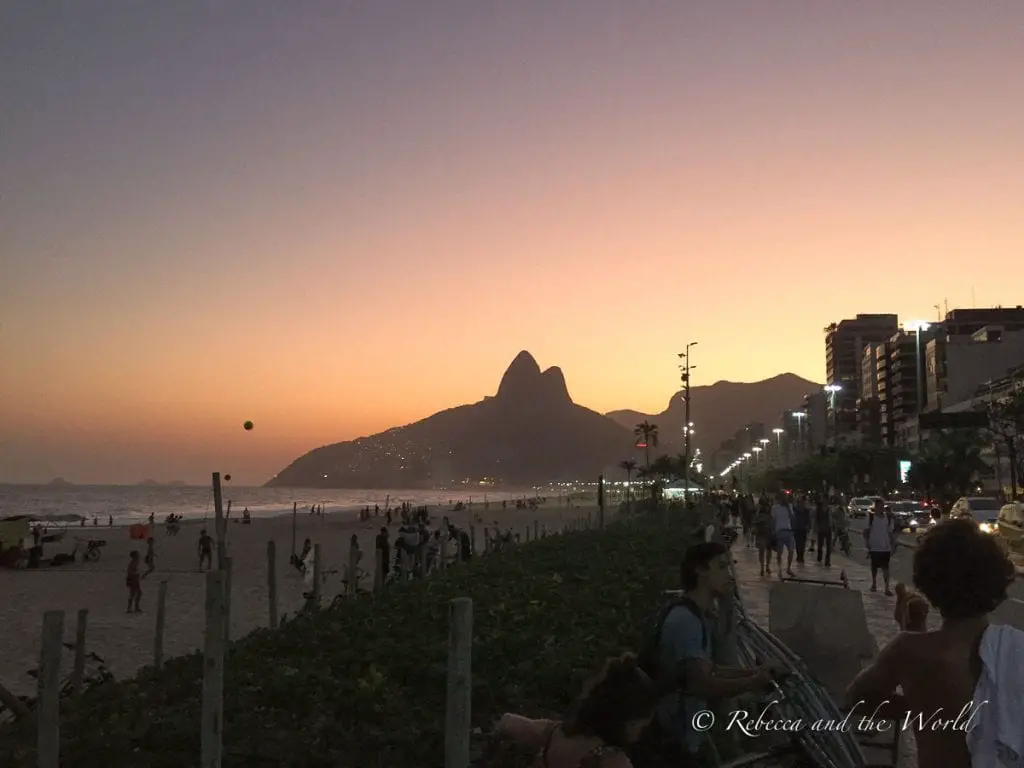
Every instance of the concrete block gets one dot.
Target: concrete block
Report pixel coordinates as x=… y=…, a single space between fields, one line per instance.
x=824 y=626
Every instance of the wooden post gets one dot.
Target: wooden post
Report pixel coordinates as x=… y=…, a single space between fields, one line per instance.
x=227 y=599
x=353 y=569
x=316 y=575
x=272 y=581
x=378 y=570
x=78 y=673
x=48 y=701
x=536 y=530
x=295 y=515
x=460 y=682
x=161 y=621
x=218 y=511
x=211 y=731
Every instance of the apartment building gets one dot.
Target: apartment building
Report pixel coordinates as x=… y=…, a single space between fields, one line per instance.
x=844 y=356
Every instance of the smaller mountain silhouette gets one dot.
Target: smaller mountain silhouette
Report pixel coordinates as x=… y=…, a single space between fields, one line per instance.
x=530 y=432
x=718 y=410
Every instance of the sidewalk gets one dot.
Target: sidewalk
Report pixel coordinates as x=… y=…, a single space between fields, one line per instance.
x=878 y=608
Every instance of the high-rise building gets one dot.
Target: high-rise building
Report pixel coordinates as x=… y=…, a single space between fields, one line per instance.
x=964 y=322
x=956 y=366
x=844 y=353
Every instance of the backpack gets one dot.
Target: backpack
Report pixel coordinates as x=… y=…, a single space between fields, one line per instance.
x=649 y=655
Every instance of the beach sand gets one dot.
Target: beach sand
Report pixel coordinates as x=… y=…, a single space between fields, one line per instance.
x=125 y=641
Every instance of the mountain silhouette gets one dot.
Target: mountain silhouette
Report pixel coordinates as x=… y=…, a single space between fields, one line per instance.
x=720 y=409
x=529 y=433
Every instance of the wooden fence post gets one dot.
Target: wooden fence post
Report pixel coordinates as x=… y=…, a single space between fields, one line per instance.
x=316 y=575
x=211 y=733
x=272 y=581
x=353 y=569
x=218 y=511
x=78 y=673
x=460 y=683
x=48 y=701
x=161 y=622
x=227 y=599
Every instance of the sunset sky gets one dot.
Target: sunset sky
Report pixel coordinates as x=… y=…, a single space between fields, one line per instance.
x=336 y=217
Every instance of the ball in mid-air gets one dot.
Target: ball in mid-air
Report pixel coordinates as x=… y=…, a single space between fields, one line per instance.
x=227 y=478
x=248 y=426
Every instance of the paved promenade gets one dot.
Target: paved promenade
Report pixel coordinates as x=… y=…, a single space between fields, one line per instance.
x=878 y=608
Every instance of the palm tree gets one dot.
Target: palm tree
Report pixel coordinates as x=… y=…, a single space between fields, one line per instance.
x=648 y=433
x=628 y=465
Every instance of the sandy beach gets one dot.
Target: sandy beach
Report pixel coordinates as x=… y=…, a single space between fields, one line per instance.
x=125 y=641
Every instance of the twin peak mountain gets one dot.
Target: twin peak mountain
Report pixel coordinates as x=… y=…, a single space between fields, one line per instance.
x=531 y=433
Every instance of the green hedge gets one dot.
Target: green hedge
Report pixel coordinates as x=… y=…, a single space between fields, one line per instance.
x=364 y=684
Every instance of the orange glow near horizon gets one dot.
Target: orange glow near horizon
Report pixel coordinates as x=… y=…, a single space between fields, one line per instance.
x=367 y=226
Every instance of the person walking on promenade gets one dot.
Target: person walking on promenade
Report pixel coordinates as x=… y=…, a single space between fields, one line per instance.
x=764 y=538
x=966 y=674
x=782 y=525
x=879 y=536
x=823 y=531
x=801 y=527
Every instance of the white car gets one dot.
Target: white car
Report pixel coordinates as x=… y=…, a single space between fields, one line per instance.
x=861 y=505
x=984 y=510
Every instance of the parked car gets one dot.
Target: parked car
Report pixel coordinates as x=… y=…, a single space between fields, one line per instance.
x=984 y=510
x=1011 y=525
x=909 y=515
x=861 y=505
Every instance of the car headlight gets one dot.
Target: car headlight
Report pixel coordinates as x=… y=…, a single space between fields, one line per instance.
x=989 y=527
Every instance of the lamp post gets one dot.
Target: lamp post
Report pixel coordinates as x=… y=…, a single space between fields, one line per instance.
x=757 y=454
x=685 y=369
x=778 y=437
x=832 y=390
x=800 y=416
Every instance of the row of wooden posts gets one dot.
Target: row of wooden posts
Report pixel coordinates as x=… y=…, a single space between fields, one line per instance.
x=217 y=636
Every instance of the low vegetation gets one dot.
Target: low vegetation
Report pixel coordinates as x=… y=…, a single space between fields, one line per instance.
x=364 y=684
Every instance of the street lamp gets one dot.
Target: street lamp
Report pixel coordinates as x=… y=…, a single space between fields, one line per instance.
x=757 y=454
x=917 y=326
x=832 y=390
x=778 y=436
x=800 y=416
x=688 y=429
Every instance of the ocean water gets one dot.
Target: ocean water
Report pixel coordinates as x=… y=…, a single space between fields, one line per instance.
x=133 y=503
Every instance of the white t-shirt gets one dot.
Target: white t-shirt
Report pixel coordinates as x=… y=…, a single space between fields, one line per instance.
x=879 y=533
x=782 y=518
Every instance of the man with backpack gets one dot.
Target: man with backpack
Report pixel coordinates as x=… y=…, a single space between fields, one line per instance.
x=676 y=653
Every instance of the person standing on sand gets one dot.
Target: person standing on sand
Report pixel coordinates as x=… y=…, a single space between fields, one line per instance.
x=150 y=556
x=968 y=670
x=134 y=583
x=205 y=549
x=383 y=546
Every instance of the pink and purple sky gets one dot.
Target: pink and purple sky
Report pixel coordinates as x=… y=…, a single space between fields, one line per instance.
x=332 y=218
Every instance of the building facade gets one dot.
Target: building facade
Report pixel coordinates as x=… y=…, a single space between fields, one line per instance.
x=844 y=357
